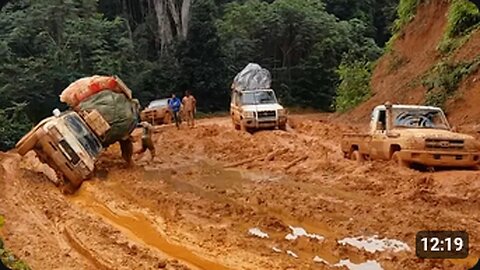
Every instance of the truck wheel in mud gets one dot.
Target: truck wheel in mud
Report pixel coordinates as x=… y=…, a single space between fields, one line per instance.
x=243 y=127
x=27 y=143
x=235 y=125
x=399 y=161
x=283 y=127
x=356 y=156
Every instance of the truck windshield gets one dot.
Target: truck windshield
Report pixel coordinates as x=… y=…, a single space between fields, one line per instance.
x=83 y=134
x=420 y=118
x=158 y=103
x=260 y=97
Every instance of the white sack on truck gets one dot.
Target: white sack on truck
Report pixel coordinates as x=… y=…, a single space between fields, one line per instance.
x=253 y=76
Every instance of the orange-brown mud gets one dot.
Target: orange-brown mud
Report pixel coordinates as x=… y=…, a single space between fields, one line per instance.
x=193 y=207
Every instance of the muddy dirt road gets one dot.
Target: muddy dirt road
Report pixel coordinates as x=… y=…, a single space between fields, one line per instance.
x=216 y=198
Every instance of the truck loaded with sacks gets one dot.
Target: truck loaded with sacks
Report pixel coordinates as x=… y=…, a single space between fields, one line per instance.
x=102 y=112
x=254 y=104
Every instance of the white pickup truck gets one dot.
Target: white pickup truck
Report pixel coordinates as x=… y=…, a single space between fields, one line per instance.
x=256 y=109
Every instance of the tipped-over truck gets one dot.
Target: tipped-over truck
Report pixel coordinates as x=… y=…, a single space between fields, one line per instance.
x=71 y=142
x=410 y=134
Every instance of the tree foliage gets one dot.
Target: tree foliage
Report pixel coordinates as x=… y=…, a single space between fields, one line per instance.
x=162 y=46
x=302 y=44
x=462 y=16
x=355 y=84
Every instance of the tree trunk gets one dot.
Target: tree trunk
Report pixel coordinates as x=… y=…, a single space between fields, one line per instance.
x=173 y=20
x=186 y=14
x=164 y=26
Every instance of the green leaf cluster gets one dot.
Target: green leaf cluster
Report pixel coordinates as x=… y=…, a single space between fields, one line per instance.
x=355 y=84
x=443 y=79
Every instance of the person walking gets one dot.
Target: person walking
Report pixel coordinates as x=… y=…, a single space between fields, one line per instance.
x=190 y=107
x=147 y=142
x=174 y=104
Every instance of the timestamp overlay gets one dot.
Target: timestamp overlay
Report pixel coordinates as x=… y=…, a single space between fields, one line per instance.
x=441 y=244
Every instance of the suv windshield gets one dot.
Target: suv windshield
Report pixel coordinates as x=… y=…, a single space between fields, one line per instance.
x=260 y=97
x=158 y=103
x=420 y=118
x=84 y=136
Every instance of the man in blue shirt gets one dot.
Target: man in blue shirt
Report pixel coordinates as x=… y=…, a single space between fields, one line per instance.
x=174 y=104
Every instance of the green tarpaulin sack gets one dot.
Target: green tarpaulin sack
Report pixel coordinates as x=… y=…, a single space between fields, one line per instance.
x=120 y=112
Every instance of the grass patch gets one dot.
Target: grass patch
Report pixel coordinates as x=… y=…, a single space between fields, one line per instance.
x=443 y=79
x=8 y=259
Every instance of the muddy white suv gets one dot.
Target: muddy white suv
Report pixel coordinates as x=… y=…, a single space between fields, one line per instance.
x=256 y=109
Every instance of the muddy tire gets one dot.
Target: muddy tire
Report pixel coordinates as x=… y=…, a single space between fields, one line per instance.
x=283 y=127
x=27 y=143
x=356 y=156
x=399 y=161
x=243 y=127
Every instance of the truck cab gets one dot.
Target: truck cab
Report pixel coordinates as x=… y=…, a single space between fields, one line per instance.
x=67 y=144
x=411 y=134
x=256 y=109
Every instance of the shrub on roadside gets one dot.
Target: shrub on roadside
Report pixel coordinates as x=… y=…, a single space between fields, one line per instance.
x=443 y=79
x=462 y=16
x=354 y=86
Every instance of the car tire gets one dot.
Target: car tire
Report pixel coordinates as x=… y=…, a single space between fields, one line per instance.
x=283 y=127
x=27 y=143
x=399 y=161
x=357 y=156
x=242 y=126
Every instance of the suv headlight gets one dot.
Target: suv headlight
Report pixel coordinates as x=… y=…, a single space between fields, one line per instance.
x=249 y=114
x=281 y=112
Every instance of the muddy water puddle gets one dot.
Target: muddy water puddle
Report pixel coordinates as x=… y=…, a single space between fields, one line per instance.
x=139 y=228
x=214 y=178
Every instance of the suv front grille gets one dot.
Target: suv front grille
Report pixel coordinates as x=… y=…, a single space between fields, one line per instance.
x=74 y=158
x=444 y=144
x=266 y=114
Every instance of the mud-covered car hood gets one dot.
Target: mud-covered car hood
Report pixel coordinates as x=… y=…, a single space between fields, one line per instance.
x=154 y=109
x=423 y=133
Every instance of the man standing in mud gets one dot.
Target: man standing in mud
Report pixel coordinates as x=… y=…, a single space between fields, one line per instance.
x=190 y=107
x=174 y=104
x=147 y=142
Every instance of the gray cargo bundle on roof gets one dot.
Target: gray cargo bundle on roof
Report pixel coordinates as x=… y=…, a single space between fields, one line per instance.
x=252 y=77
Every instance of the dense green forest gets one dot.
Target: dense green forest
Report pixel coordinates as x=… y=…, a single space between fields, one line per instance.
x=162 y=46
